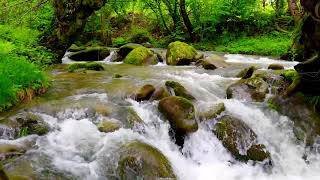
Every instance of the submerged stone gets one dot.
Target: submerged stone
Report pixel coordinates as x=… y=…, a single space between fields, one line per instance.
x=32 y=124
x=179 y=90
x=132 y=117
x=214 y=112
x=276 y=67
x=108 y=126
x=238 y=138
x=180 y=53
x=141 y=160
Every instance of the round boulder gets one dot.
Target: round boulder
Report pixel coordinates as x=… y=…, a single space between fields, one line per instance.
x=276 y=67
x=145 y=92
x=127 y=48
x=141 y=56
x=180 y=53
x=179 y=90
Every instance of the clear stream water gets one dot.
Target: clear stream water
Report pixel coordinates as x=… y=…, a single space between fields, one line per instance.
x=75 y=149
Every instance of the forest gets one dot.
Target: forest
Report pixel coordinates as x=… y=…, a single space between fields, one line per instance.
x=169 y=89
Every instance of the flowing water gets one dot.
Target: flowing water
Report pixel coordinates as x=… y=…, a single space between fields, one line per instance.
x=75 y=149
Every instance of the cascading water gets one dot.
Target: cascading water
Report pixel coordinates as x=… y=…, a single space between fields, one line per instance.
x=75 y=148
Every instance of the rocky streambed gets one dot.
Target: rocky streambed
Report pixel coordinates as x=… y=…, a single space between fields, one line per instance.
x=218 y=117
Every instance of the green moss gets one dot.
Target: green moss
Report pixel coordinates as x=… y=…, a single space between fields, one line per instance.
x=142 y=160
x=292 y=77
x=141 y=56
x=132 y=117
x=107 y=126
x=87 y=66
x=179 y=90
x=75 y=48
x=180 y=53
x=214 y=112
x=272 y=105
x=247 y=72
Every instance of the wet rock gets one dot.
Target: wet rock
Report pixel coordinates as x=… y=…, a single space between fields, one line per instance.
x=303 y=114
x=179 y=90
x=142 y=161
x=141 y=56
x=75 y=48
x=7 y=132
x=294 y=79
x=276 y=67
x=116 y=75
x=126 y=49
x=180 y=53
x=108 y=126
x=132 y=117
x=181 y=114
x=91 y=54
x=85 y=66
x=145 y=92
x=160 y=93
x=214 y=112
x=32 y=124
x=275 y=80
x=147 y=45
x=238 y=138
x=213 y=63
x=21 y=169
x=3 y=174
x=252 y=89
x=9 y=151
x=247 y=72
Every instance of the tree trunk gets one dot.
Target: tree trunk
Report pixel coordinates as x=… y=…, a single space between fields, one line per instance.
x=186 y=20
x=70 y=19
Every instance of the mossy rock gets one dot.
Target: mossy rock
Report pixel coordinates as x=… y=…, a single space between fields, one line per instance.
x=160 y=93
x=179 y=90
x=180 y=53
x=277 y=83
x=252 y=89
x=145 y=92
x=212 y=63
x=247 y=72
x=142 y=161
x=214 y=112
x=75 y=48
x=32 y=124
x=236 y=136
x=276 y=67
x=85 y=66
x=132 y=117
x=294 y=79
x=116 y=76
x=127 y=48
x=91 y=54
x=141 y=56
x=181 y=114
x=108 y=126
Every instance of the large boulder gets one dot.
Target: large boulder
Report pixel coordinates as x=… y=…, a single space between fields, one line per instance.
x=145 y=92
x=181 y=114
x=141 y=56
x=91 y=54
x=160 y=93
x=126 y=49
x=252 y=89
x=247 y=72
x=238 y=138
x=179 y=90
x=142 y=161
x=180 y=53
x=212 y=63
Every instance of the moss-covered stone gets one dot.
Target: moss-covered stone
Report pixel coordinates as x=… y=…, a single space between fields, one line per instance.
x=75 y=48
x=91 y=54
x=247 y=72
x=214 y=112
x=141 y=56
x=212 y=63
x=237 y=137
x=276 y=67
x=127 y=48
x=180 y=53
x=252 y=89
x=293 y=78
x=32 y=124
x=181 y=114
x=132 y=117
x=145 y=92
x=160 y=93
x=107 y=126
x=179 y=90
x=116 y=75
x=140 y=160
x=86 y=66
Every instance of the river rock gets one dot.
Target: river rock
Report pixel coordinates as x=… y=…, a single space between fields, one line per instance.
x=180 y=53
x=275 y=80
x=3 y=174
x=179 y=90
x=141 y=56
x=214 y=112
x=142 y=161
x=181 y=114
x=132 y=117
x=212 y=63
x=75 y=48
x=276 y=67
x=303 y=114
x=126 y=49
x=247 y=72
x=9 y=151
x=238 y=138
x=160 y=93
x=252 y=89
x=91 y=54
x=32 y=124
x=145 y=92
x=108 y=126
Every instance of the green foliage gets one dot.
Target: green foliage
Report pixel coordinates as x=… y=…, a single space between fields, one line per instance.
x=120 y=41
x=23 y=132
x=139 y=35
